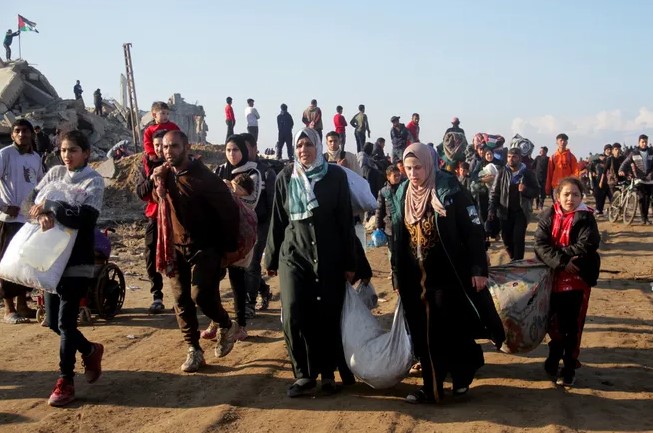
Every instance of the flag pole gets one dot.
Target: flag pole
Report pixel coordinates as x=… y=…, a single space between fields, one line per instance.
x=20 y=54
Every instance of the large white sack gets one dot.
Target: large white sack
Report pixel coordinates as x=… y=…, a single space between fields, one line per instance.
x=38 y=259
x=362 y=199
x=521 y=292
x=380 y=359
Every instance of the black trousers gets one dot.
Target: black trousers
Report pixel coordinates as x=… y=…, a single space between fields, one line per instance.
x=254 y=131
x=565 y=306
x=285 y=139
x=156 y=280
x=238 y=287
x=360 y=140
x=542 y=193
x=7 y=51
x=62 y=309
x=513 y=234
x=197 y=282
x=230 y=129
x=253 y=281
x=600 y=194
x=343 y=140
x=644 y=192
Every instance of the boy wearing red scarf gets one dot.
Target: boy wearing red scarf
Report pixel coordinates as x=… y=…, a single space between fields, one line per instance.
x=567 y=239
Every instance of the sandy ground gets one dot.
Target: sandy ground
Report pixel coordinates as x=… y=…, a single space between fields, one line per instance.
x=143 y=390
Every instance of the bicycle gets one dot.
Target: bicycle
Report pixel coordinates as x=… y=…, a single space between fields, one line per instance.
x=625 y=202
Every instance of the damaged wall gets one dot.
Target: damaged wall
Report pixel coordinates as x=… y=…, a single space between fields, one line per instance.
x=189 y=117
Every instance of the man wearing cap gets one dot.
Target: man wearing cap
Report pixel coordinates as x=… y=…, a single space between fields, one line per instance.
x=511 y=196
x=456 y=126
x=540 y=167
x=400 y=136
x=252 y=118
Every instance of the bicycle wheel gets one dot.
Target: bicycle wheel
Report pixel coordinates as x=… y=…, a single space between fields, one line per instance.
x=631 y=203
x=615 y=207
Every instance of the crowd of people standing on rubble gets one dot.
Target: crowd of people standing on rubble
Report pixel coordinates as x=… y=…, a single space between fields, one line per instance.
x=438 y=205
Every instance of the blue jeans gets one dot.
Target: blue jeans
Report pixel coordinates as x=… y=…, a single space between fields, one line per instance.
x=253 y=280
x=62 y=309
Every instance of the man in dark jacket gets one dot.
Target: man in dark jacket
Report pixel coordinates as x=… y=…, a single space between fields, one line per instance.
x=253 y=281
x=9 y=38
x=285 y=125
x=640 y=165
x=97 y=101
x=400 y=136
x=204 y=224
x=539 y=167
x=510 y=200
x=77 y=90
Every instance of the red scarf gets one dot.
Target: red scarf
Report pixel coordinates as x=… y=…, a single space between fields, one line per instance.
x=165 y=247
x=562 y=224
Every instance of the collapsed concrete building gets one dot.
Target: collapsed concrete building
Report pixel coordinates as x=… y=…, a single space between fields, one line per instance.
x=26 y=93
x=189 y=118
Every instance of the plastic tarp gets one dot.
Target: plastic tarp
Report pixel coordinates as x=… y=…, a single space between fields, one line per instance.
x=521 y=292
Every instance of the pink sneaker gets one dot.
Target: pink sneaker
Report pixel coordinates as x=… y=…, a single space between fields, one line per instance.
x=63 y=393
x=211 y=332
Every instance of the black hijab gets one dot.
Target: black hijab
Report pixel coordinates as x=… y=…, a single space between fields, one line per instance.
x=242 y=145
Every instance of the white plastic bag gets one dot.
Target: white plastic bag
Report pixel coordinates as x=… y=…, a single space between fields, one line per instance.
x=377 y=357
x=362 y=199
x=38 y=259
x=367 y=294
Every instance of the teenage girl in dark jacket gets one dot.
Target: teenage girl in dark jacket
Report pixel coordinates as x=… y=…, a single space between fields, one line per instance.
x=567 y=239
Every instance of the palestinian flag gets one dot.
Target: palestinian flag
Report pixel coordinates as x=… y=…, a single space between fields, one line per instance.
x=25 y=25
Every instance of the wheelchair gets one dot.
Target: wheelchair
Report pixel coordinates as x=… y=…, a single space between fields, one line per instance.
x=106 y=293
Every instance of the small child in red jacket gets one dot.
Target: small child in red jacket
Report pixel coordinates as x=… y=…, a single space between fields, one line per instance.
x=567 y=239
x=160 y=114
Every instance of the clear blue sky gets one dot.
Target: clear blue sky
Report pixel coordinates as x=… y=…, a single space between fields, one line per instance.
x=538 y=68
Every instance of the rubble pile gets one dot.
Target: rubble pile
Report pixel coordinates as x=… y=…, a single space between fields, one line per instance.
x=121 y=204
x=25 y=92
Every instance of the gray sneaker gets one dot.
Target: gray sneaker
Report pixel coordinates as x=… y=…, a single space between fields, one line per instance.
x=194 y=360
x=226 y=340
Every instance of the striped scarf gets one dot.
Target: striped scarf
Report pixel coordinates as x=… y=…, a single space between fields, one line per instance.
x=301 y=195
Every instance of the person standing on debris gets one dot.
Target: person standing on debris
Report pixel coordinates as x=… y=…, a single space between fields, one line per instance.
x=340 y=124
x=62 y=307
x=200 y=223
x=20 y=171
x=77 y=90
x=455 y=126
x=285 y=125
x=230 y=118
x=413 y=128
x=361 y=125
x=511 y=200
x=97 y=100
x=311 y=247
x=160 y=115
x=400 y=136
x=144 y=190
x=9 y=38
x=252 y=118
x=312 y=118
